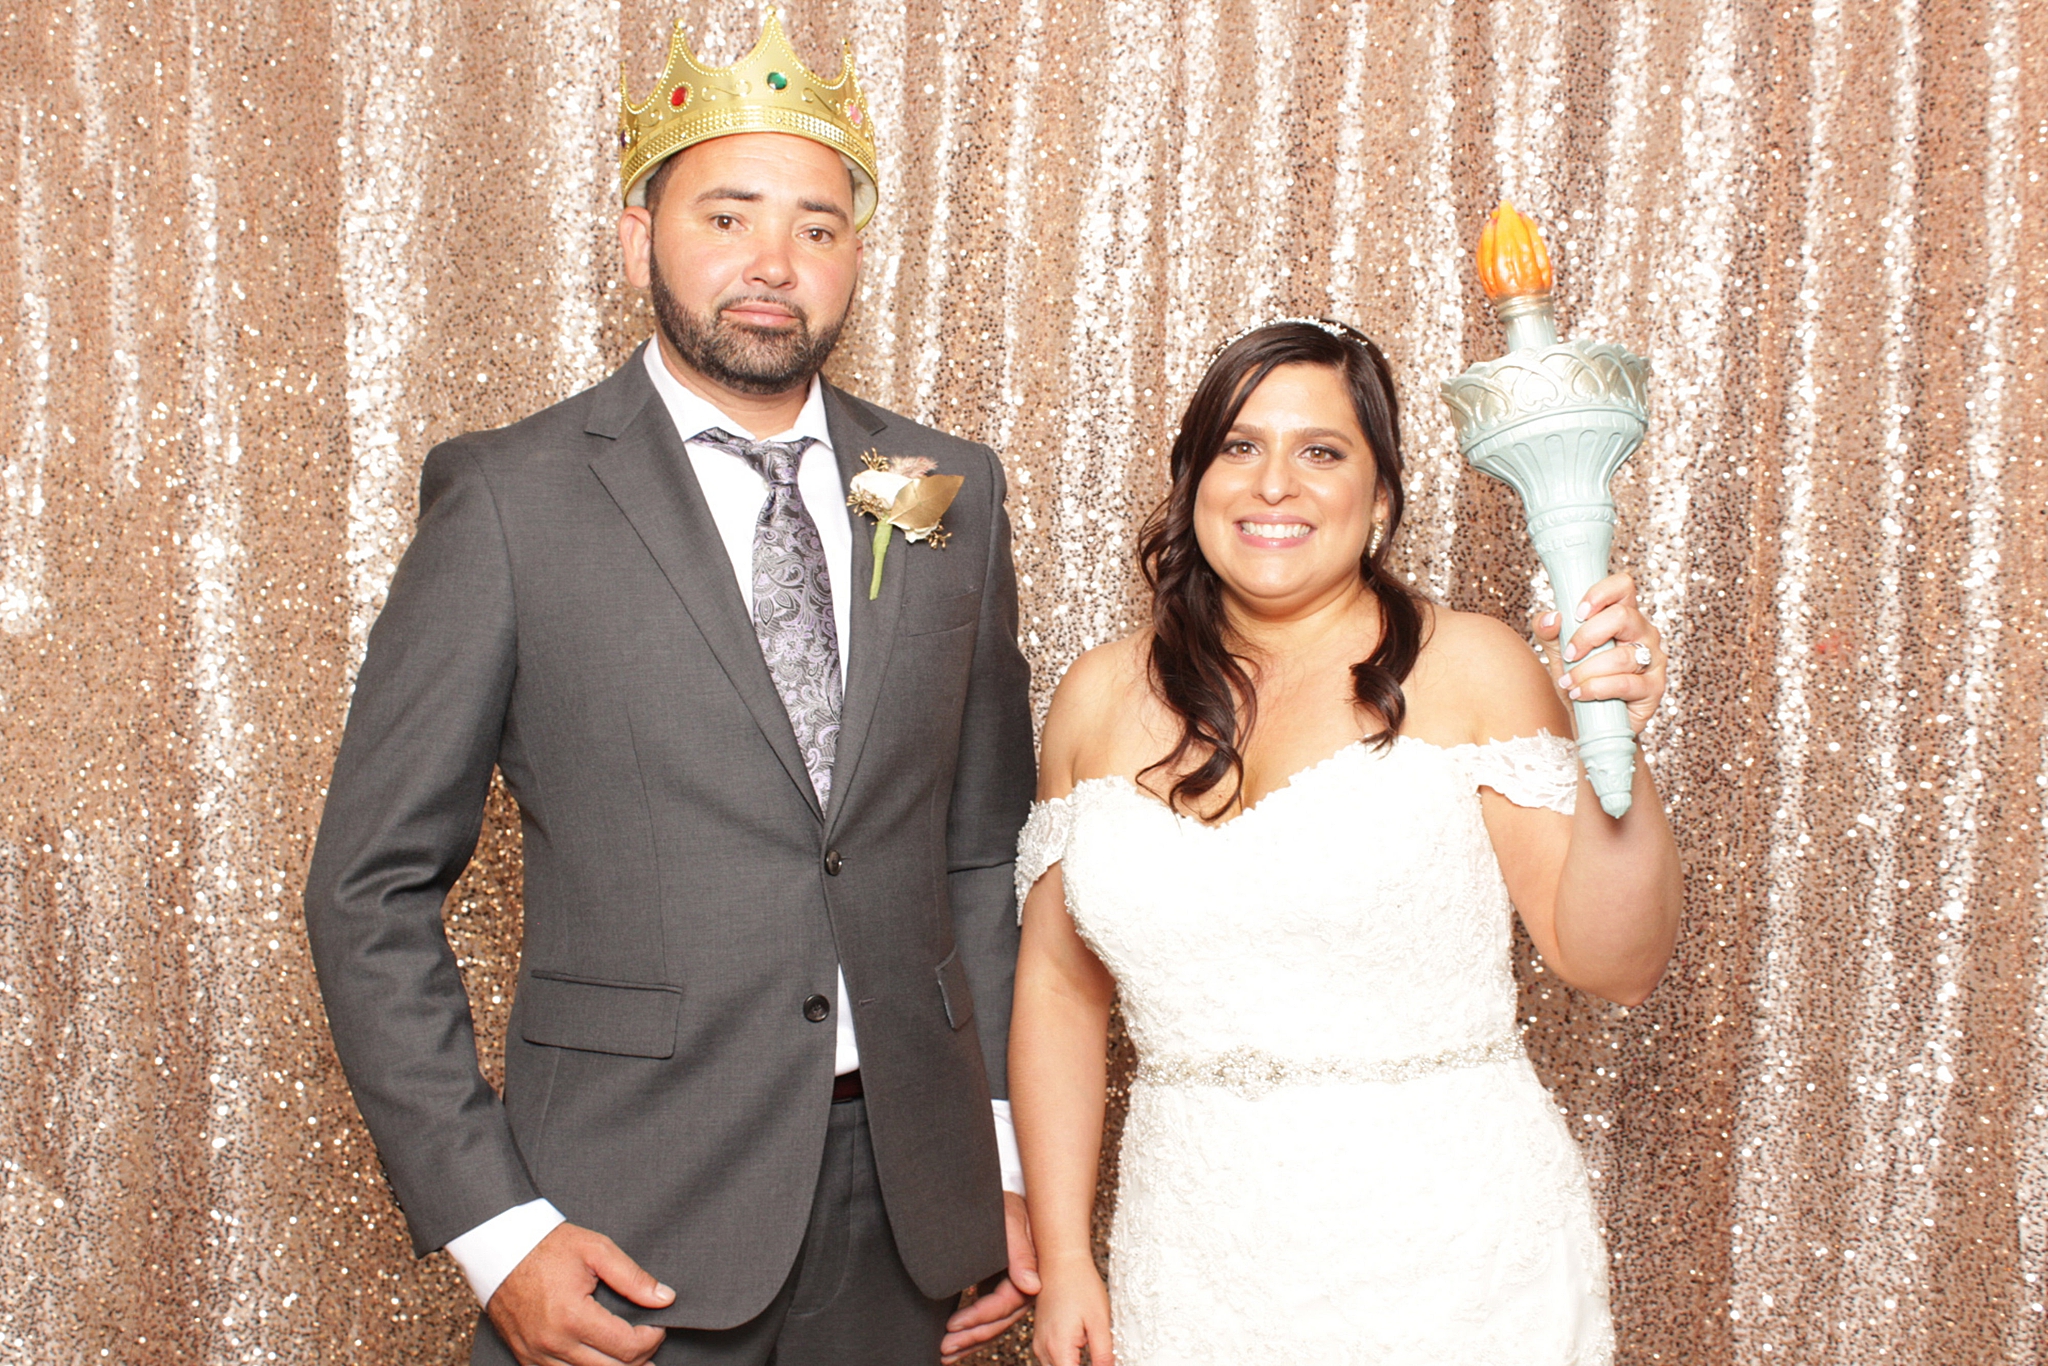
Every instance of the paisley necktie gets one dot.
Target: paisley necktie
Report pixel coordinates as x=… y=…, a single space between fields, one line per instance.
x=792 y=602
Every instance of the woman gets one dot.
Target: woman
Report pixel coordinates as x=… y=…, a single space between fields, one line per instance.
x=1285 y=824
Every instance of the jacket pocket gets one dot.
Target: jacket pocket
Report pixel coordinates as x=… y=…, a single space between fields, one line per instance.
x=634 y=1019
x=953 y=990
x=946 y=614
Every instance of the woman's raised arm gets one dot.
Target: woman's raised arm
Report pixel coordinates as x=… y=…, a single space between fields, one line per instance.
x=1601 y=897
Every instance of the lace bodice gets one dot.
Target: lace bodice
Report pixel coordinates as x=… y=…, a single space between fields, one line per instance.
x=1372 y=869
x=1335 y=1151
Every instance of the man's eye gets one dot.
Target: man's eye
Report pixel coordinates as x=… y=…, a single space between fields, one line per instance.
x=722 y=221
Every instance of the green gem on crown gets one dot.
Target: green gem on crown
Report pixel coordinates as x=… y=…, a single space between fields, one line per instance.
x=777 y=80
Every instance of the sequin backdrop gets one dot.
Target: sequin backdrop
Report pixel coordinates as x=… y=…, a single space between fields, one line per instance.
x=257 y=258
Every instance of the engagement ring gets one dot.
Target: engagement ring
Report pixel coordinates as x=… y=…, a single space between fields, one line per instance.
x=1642 y=657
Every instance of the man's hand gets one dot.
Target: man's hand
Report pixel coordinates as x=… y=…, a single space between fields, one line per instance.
x=991 y=1314
x=545 y=1313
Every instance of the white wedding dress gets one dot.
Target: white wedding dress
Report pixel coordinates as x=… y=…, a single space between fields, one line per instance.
x=1336 y=1150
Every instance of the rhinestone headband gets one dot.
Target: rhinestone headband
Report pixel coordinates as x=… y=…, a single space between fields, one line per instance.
x=1341 y=331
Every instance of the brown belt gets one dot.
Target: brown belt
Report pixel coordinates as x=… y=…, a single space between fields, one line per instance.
x=846 y=1086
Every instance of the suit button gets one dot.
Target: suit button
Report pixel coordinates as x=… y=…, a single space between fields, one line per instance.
x=831 y=863
x=816 y=1008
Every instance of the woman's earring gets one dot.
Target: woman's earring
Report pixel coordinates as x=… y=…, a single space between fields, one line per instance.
x=1379 y=533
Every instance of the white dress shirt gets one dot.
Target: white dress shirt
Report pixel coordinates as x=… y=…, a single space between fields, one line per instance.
x=734 y=491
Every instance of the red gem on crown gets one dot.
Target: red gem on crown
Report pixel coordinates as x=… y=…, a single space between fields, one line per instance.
x=853 y=114
x=681 y=96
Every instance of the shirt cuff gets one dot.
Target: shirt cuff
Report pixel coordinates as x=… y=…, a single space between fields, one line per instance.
x=488 y=1252
x=1006 y=1148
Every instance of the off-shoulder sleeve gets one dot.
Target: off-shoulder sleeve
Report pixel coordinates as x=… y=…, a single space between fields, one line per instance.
x=1041 y=844
x=1540 y=770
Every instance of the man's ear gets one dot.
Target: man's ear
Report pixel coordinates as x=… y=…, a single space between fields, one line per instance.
x=636 y=245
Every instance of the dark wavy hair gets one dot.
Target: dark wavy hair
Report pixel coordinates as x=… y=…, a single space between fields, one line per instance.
x=1194 y=667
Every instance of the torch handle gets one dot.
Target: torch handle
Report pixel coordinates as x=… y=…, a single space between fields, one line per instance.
x=1574 y=554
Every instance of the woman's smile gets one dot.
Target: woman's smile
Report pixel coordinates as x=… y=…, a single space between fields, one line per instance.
x=1276 y=535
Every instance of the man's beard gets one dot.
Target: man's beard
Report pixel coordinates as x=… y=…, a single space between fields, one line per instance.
x=750 y=360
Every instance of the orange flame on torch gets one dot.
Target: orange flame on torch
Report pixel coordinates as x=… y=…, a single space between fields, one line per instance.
x=1512 y=259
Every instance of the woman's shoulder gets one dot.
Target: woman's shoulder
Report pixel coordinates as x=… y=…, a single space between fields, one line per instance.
x=1102 y=690
x=1484 y=680
x=1101 y=680
x=1116 y=663
x=1474 y=637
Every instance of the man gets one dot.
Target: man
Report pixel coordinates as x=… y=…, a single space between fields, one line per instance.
x=769 y=814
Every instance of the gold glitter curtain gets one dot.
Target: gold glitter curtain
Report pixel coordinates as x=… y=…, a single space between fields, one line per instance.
x=257 y=258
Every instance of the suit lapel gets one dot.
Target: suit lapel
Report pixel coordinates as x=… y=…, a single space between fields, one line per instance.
x=870 y=623
x=647 y=473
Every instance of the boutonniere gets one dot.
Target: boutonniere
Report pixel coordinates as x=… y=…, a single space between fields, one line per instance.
x=901 y=491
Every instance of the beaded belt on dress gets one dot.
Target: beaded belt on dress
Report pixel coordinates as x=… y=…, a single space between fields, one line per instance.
x=1254 y=1072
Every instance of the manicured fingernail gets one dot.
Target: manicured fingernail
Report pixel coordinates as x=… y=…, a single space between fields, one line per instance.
x=1564 y=681
x=1574 y=694
x=1585 y=610
x=1548 y=620
x=1569 y=652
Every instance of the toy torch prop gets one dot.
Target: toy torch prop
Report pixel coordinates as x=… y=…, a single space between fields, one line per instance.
x=1554 y=420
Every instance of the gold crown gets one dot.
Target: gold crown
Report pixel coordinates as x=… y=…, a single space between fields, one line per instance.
x=767 y=91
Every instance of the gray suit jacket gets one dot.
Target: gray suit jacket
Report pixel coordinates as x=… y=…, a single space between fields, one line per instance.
x=567 y=614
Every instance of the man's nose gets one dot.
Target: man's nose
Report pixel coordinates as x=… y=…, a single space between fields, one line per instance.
x=772 y=267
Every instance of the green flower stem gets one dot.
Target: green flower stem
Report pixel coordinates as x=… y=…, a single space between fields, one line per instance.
x=882 y=526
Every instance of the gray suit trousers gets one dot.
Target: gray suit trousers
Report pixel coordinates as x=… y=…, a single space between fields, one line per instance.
x=848 y=1301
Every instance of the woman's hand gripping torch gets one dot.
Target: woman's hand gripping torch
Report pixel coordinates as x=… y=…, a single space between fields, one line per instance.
x=1554 y=420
